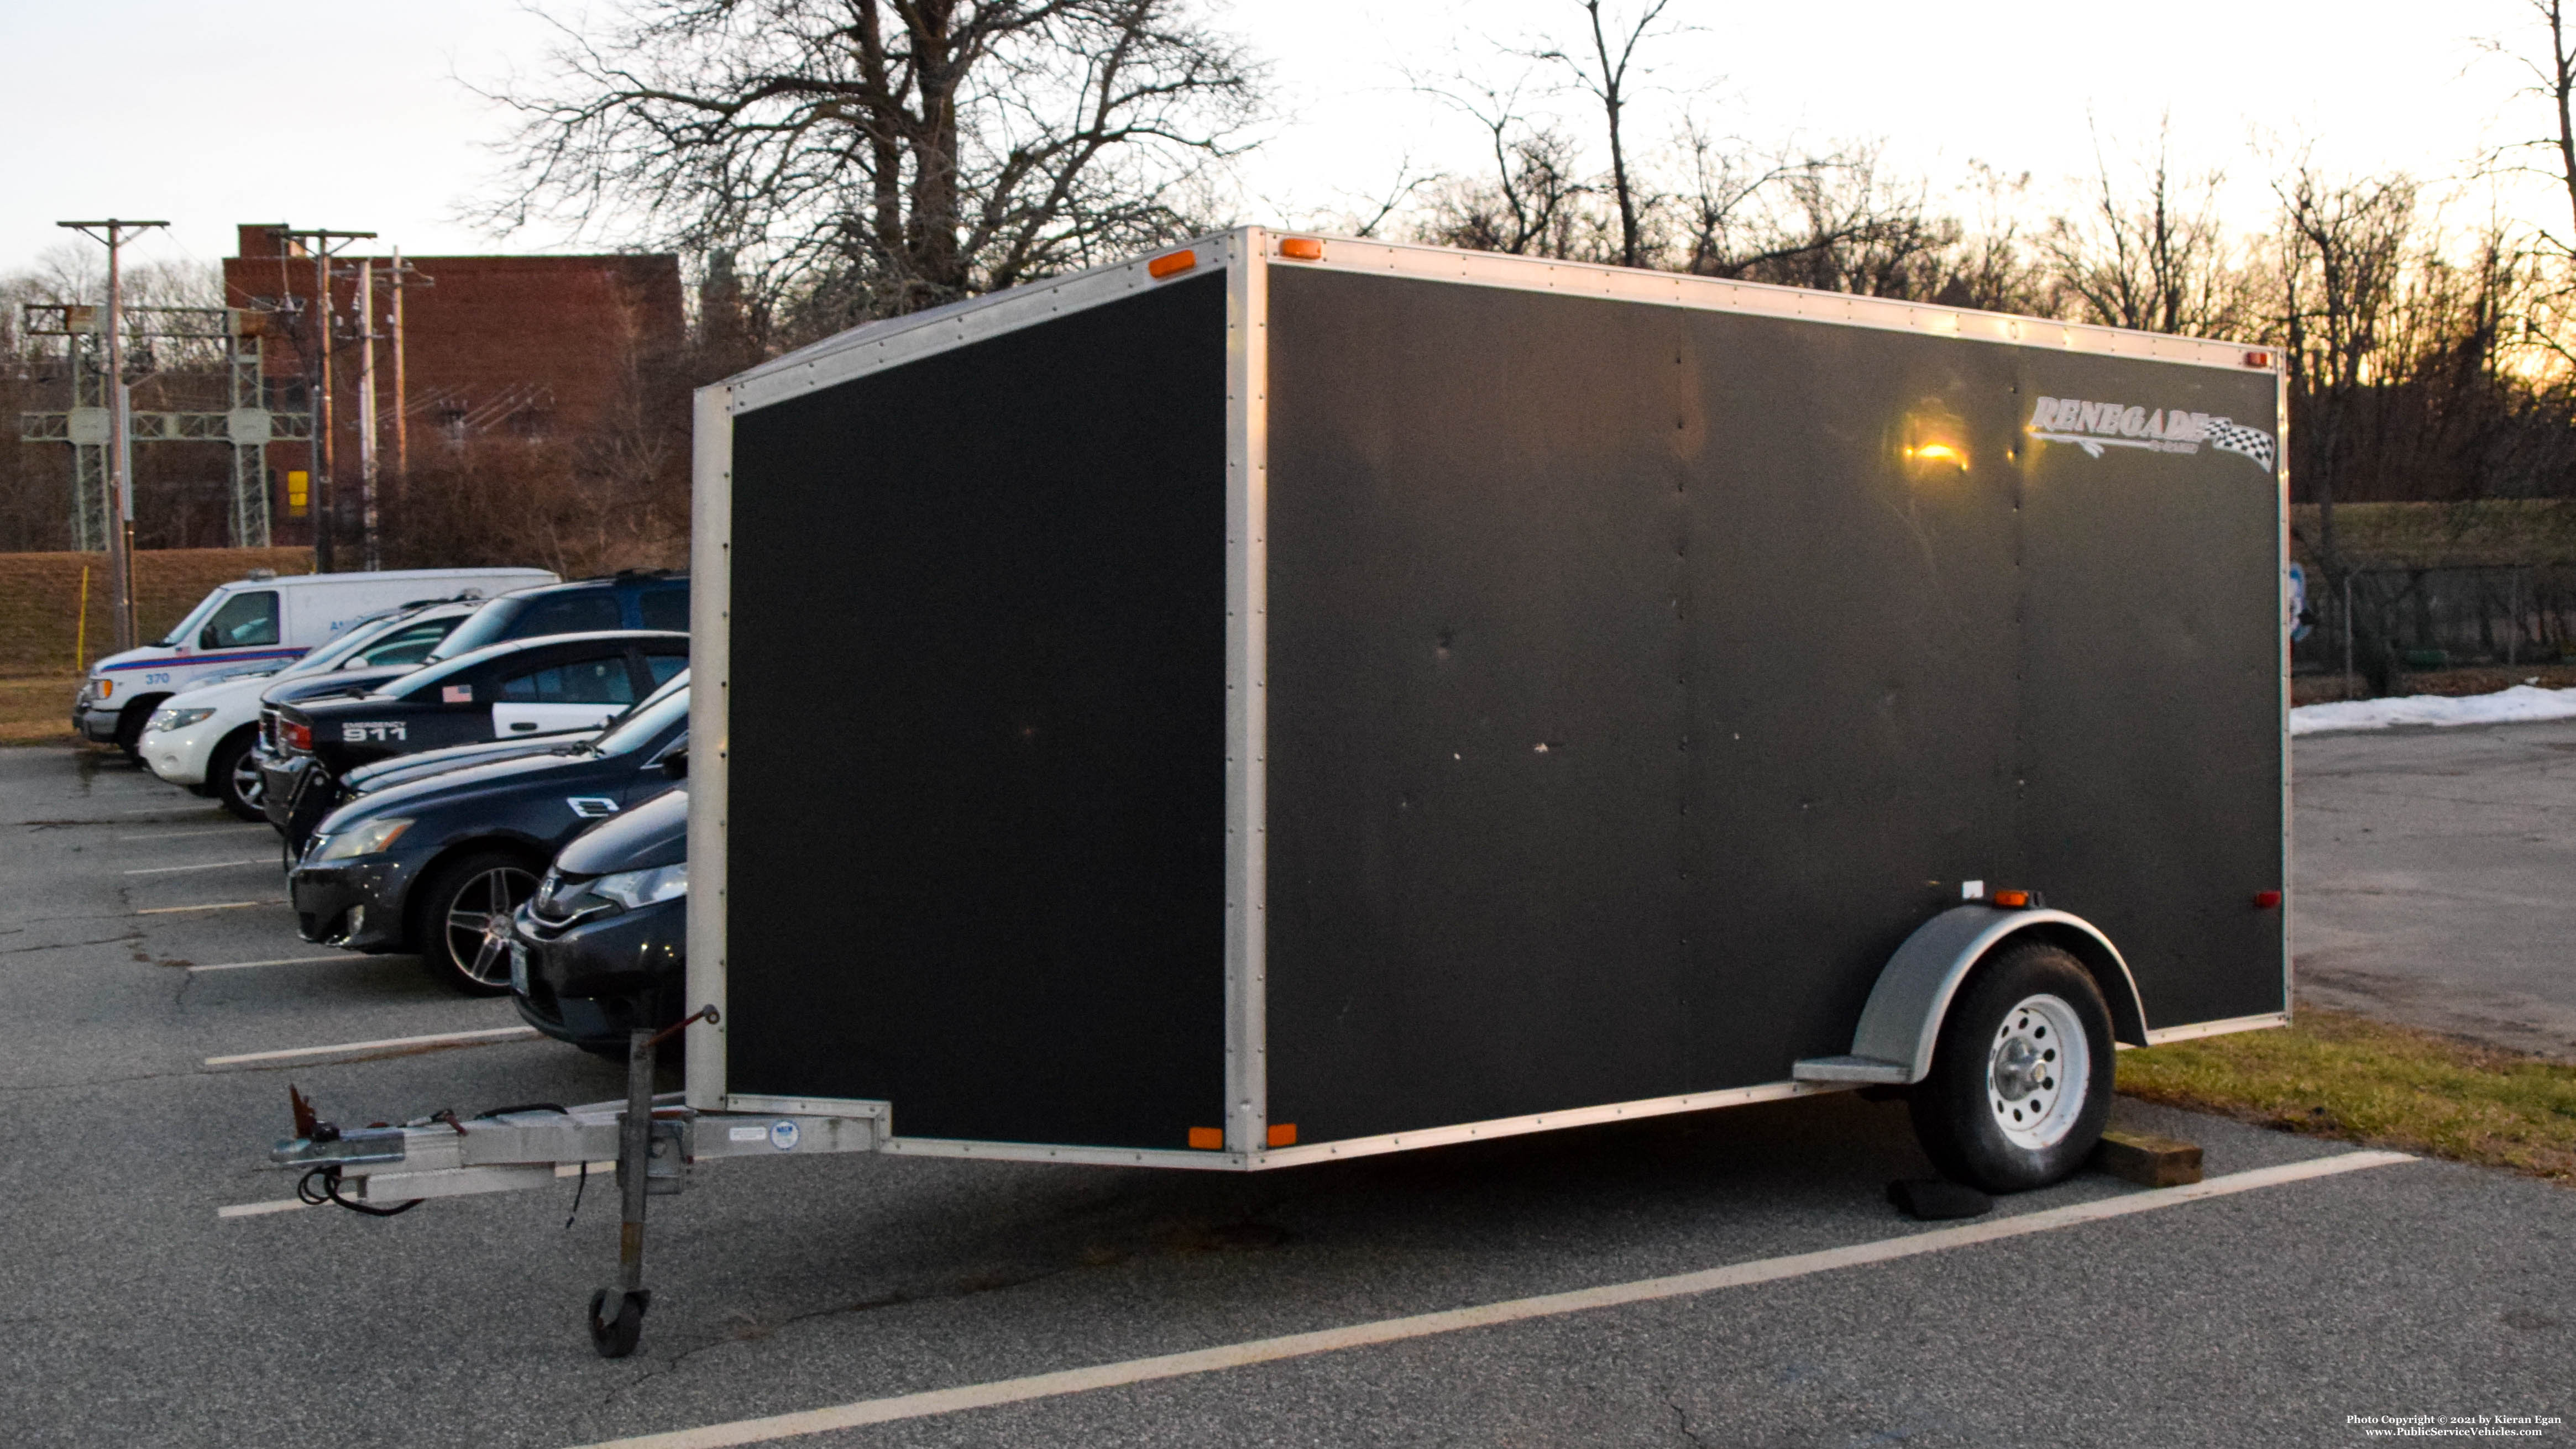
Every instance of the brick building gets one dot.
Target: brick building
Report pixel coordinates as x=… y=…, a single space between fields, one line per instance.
x=532 y=347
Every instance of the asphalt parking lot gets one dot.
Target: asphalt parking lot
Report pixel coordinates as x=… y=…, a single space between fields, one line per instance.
x=2436 y=875
x=138 y=1314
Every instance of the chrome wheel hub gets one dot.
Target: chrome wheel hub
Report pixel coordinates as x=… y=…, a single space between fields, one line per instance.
x=2037 y=1071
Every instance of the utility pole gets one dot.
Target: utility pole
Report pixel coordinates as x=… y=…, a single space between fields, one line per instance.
x=400 y=277
x=367 y=410
x=321 y=240
x=120 y=452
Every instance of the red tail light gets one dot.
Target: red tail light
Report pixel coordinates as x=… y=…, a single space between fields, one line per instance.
x=298 y=737
x=2266 y=900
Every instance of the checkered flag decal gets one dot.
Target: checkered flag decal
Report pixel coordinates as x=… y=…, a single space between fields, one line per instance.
x=2253 y=443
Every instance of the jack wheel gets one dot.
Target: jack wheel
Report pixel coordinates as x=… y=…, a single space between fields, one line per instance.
x=615 y=1333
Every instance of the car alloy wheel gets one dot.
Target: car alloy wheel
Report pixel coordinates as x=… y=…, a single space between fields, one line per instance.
x=478 y=915
x=233 y=777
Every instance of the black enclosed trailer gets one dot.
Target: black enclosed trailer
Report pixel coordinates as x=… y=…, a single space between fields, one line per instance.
x=1290 y=698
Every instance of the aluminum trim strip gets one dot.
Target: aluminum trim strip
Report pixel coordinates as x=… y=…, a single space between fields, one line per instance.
x=757 y=1106
x=1587 y=279
x=897 y=340
x=1543 y=1122
x=710 y=733
x=1043 y=1152
x=2199 y=1029
x=1365 y=1146
x=2281 y=431
x=1247 y=653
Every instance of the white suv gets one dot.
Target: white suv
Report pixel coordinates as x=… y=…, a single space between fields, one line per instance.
x=202 y=738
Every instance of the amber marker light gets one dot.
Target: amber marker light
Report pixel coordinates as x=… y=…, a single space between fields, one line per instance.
x=2012 y=900
x=1939 y=454
x=1207 y=1139
x=1302 y=248
x=1283 y=1134
x=1169 y=264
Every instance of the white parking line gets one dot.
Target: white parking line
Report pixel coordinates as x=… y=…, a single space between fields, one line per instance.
x=282 y=961
x=187 y=834
x=1515 y=1310
x=208 y=906
x=209 y=865
x=450 y=1038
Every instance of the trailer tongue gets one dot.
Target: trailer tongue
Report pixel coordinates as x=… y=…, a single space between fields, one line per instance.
x=653 y=1143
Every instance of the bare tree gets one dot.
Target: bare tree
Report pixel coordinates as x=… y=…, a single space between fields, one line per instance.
x=1989 y=268
x=1832 y=222
x=1531 y=204
x=2343 y=247
x=2157 y=261
x=1604 y=73
x=887 y=155
x=2554 y=81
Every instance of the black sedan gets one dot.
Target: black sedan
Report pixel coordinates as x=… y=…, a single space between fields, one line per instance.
x=426 y=866
x=403 y=769
x=524 y=687
x=603 y=946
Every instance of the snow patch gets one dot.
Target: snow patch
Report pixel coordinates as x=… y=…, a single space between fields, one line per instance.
x=2521 y=703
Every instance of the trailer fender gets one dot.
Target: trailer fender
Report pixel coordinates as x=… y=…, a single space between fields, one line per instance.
x=1893 y=1043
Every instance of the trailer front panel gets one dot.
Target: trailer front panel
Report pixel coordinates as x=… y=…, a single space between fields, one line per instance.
x=994 y=579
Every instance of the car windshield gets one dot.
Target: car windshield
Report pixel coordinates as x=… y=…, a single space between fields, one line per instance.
x=490 y=625
x=187 y=627
x=330 y=655
x=644 y=723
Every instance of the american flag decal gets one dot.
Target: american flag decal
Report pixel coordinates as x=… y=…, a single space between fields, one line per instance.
x=2247 y=442
x=457 y=694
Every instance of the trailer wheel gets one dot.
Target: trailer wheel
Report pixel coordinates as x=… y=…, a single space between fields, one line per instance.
x=615 y=1333
x=2020 y=1086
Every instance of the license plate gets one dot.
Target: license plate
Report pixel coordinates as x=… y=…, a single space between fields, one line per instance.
x=518 y=968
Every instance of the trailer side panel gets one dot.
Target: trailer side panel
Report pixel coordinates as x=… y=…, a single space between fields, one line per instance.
x=1813 y=632
x=2151 y=726
x=1477 y=714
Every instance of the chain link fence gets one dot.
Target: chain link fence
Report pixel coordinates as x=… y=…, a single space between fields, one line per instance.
x=2381 y=622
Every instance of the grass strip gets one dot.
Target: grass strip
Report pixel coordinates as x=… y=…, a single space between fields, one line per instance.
x=37 y=709
x=2334 y=1074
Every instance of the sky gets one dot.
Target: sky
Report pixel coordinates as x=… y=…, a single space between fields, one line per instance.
x=364 y=115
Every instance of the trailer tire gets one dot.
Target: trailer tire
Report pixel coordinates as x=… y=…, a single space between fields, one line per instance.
x=616 y=1334
x=2020 y=1086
